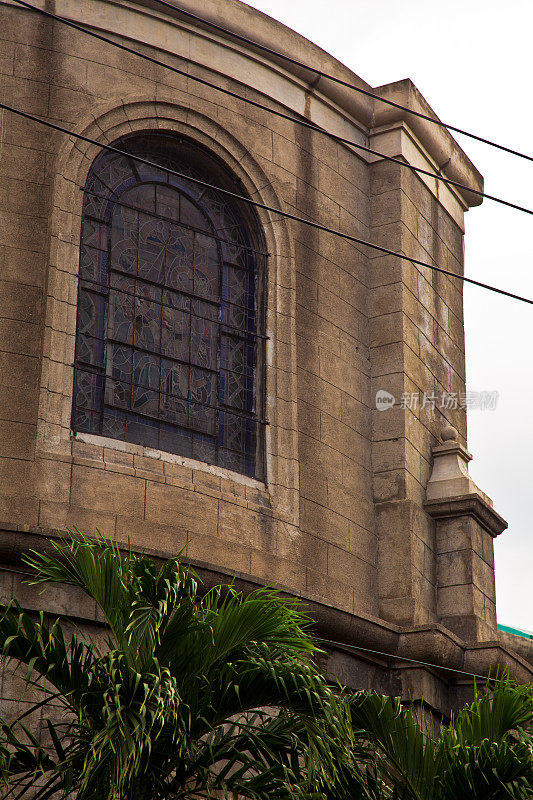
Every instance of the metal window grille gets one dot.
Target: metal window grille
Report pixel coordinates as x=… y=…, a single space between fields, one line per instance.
x=169 y=338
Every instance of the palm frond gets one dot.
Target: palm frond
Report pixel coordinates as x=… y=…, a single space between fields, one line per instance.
x=157 y=600
x=224 y=621
x=43 y=649
x=494 y=713
x=405 y=753
x=489 y=771
x=96 y=567
x=486 y=752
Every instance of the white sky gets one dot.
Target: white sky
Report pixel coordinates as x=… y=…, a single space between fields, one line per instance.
x=472 y=61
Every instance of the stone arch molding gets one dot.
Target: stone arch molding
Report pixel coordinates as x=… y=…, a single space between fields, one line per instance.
x=112 y=121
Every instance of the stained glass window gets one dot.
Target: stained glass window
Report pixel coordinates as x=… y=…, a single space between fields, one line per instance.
x=170 y=319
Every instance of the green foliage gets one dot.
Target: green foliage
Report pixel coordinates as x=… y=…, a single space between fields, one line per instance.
x=487 y=750
x=191 y=696
x=217 y=695
x=485 y=753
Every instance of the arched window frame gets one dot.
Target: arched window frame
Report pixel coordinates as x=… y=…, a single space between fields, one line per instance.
x=103 y=197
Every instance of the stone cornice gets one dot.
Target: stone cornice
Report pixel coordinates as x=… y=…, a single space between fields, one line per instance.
x=429 y=643
x=265 y=30
x=468 y=505
x=439 y=143
x=361 y=110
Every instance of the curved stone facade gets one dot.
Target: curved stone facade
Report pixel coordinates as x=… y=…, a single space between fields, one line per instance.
x=342 y=517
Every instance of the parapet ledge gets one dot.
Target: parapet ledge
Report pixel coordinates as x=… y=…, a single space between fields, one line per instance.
x=380 y=640
x=496 y=657
x=249 y=23
x=518 y=644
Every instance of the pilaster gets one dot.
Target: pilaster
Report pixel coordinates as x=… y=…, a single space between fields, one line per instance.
x=466 y=525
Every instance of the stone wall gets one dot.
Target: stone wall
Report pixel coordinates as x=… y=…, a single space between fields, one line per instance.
x=417 y=340
x=341 y=518
x=311 y=527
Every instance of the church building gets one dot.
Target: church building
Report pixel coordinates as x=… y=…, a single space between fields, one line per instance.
x=198 y=350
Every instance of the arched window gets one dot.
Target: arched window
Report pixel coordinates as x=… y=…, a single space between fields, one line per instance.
x=169 y=334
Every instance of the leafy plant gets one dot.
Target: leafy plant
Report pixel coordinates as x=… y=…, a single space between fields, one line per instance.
x=485 y=753
x=189 y=696
x=217 y=695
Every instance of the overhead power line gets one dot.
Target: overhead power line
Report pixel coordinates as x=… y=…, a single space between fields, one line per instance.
x=293 y=217
x=297 y=120
x=329 y=642
x=340 y=81
x=264 y=206
x=395 y=656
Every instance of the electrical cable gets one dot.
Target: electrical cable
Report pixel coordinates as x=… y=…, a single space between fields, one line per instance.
x=340 y=81
x=291 y=216
x=305 y=123
x=400 y=658
x=163 y=218
x=332 y=643
x=257 y=204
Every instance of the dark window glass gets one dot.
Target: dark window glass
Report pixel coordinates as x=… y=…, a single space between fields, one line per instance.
x=169 y=331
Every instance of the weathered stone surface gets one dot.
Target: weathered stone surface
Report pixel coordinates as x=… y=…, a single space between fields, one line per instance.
x=342 y=514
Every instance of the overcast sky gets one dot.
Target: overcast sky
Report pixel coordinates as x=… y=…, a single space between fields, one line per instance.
x=472 y=61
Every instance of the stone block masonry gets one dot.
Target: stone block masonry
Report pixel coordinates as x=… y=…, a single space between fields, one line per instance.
x=343 y=517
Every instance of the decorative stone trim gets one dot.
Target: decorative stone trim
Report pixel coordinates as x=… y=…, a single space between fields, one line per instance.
x=430 y=643
x=468 y=505
x=451 y=492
